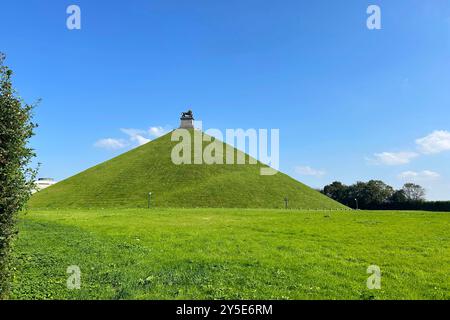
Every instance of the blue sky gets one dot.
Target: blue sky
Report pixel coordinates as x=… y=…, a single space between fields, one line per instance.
x=351 y=103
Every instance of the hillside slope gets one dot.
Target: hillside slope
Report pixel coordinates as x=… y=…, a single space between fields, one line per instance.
x=126 y=180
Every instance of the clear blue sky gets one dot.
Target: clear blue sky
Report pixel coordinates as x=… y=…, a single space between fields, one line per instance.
x=350 y=102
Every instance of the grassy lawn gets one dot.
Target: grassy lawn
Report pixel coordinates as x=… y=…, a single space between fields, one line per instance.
x=232 y=254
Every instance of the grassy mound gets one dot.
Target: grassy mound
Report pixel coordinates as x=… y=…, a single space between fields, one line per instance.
x=126 y=180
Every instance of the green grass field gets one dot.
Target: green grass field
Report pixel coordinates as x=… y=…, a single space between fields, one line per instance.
x=232 y=254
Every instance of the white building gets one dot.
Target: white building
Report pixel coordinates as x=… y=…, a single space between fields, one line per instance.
x=43 y=183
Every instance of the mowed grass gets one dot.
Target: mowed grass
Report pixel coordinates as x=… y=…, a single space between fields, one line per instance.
x=232 y=254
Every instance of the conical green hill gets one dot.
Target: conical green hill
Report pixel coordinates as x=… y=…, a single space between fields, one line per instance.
x=126 y=180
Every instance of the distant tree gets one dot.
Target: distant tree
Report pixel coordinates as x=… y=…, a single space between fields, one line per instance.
x=355 y=192
x=414 y=192
x=336 y=191
x=370 y=194
x=16 y=178
x=398 y=196
x=379 y=192
x=377 y=195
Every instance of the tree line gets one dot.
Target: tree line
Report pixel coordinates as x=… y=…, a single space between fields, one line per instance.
x=377 y=195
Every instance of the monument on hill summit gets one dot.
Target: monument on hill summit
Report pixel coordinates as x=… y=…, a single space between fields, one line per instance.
x=187 y=120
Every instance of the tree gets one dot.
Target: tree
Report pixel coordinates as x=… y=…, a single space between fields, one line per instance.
x=399 y=196
x=379 y=192
x=413 y=192
x=377 y=195
x=358 y=193
x=370 y=195
x=16 y=177
x=336 y=191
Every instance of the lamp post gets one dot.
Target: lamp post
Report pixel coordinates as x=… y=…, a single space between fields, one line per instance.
x=149 y=198
x=357 y=207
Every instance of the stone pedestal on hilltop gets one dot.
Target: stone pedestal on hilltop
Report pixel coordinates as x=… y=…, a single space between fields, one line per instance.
x=187 y=120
